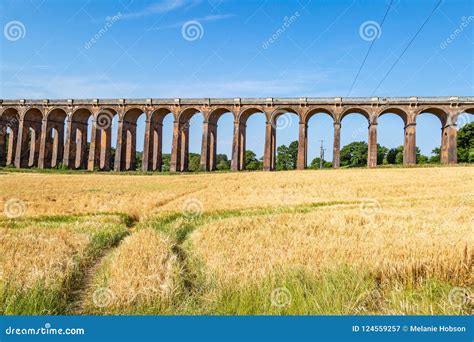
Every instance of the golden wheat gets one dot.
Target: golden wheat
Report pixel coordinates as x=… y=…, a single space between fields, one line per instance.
x=393 y=241
x=142 y=195
x=143 y=269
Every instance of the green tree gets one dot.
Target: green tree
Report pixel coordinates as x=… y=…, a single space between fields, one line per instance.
x=194 y=162
x=465 y=143
x=436 y=155
x=354 y=154
x=381 y=153
x=138 y=161
x=222 y=162
x=287 y=156
x=251 y=161
x=315 y=163
x=165 y=162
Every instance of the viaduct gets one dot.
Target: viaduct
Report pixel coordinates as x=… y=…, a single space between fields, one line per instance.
x=45 y=133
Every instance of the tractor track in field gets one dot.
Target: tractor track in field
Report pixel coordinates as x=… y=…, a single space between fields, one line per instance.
x=82 y=289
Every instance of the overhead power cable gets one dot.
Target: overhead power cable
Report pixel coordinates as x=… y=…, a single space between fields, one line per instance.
x=409 y=44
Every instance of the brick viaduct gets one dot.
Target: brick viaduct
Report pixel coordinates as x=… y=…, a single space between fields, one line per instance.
x=32 y=143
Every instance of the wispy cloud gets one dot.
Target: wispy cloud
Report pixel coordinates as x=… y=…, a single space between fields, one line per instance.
x=213 y=17
x=161 y=7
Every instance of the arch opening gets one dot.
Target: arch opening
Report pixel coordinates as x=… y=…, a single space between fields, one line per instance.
x=284 y=142
x=354 y=139
x=9 y=122
x=220 y=126
x=250 y=144
x=80 y=139
x=391 y=141
x=31 y=138
x=320 y=137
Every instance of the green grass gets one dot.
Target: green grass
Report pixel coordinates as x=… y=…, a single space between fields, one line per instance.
x=56 y=298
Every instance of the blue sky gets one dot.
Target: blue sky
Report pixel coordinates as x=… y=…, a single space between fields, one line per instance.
x=144 y=53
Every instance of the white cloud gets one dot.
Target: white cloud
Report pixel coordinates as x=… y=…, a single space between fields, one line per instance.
x=214 y=17
x=161 y=7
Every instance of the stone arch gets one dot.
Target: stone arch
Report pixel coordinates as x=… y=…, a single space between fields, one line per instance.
x=9 y=123
x=280 y=119
x=210 y=137
x=30 y=138
x=76 y=150
x=310 y=148
x=438 y=112
x=446 y=144
x=459 y=117
x=240 y=135
x=313 y=111
x=128 y=138
x=371 y=136
x=100 y=148
x=245 y=113
x=394 y=110
x=181 y=137
x=153 y=149
x=354 y=110
x=52 y=149
x=186 y=114
x=277 y=112
x=406 y=136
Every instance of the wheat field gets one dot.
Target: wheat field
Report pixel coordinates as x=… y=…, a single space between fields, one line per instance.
x=352 y=241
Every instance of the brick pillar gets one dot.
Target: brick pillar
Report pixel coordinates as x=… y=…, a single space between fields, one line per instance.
x=449 y=144
x=409 y=145
x=38 y=129
x=205 y=146
x=69 y=152
x=58 y=146
x=269 y=151
x=157 y=154
x=175 y=160
x=13 y=140
x=336 y=148
x=243 y=147
x=235 y=163
x=213 y=147
x=184 y=132
x=20 y=145
x=147 y=146
x=129 y=146
x=92 y=160
x=105 y=148
x=302 y=148
x=43 y=149
x=3 y=143
x=84 y=150
x=372 y=148
x=118 y=163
